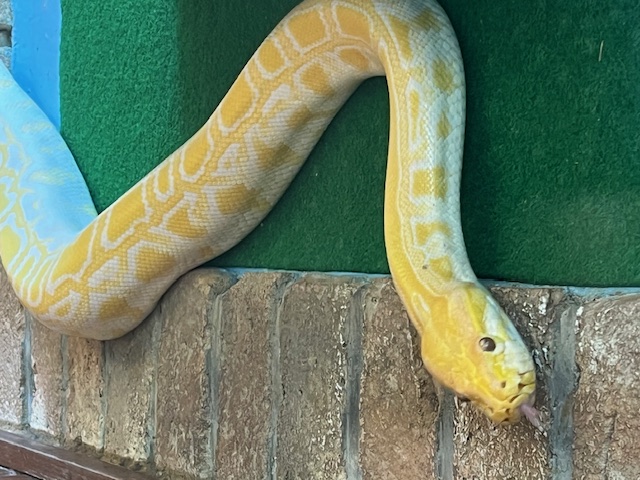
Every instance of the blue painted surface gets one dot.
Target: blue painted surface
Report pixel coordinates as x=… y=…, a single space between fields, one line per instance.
x=35 y=62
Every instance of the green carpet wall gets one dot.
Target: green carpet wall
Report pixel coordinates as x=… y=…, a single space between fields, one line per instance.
x=551 y=185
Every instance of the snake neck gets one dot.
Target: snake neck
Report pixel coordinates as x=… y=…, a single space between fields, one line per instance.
x=423 y=236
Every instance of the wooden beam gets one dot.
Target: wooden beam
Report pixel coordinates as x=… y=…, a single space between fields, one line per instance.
x=5 y=473
x=51 y=463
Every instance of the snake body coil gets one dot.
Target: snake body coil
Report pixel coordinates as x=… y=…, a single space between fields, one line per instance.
x=99 y=276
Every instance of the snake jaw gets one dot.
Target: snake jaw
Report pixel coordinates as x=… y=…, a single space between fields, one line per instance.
x=520 y=406
x=509 y=403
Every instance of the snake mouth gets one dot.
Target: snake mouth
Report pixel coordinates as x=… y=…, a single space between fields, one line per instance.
x=524 y=408
x=518 y=406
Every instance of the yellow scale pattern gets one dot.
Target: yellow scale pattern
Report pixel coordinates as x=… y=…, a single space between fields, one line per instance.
x=212 y=191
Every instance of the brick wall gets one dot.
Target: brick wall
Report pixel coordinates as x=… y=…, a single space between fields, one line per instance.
x=283 y=375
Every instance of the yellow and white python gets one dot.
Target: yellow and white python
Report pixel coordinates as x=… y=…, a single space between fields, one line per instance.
x=99 y=276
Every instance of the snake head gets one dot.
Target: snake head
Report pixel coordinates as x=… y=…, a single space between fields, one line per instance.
x=471 y=346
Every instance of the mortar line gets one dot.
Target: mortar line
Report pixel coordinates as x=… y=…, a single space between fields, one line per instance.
x=353 y=384
x=444 y=436
x=64 y=401
x=562 y=386
x=156 y=335
x=107 y=365
x=106 y=383
x=27 y=379
x=276 y=377
x=213 y=329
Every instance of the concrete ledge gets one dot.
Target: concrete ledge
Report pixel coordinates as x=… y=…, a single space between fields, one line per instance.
x=288 y=375
x=37 y=461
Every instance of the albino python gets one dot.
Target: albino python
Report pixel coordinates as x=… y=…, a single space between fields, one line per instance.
x=99 y=276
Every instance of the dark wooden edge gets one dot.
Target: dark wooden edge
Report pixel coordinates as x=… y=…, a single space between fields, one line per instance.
x=52 y=463
x=13 y=475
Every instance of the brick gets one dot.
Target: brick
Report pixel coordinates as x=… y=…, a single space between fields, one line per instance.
x=47 y=369
x=85 y=390
x=12 y=333
x=608 y=397
x=399 y=406
x=184 y=425
x=313 y=374
x=516 y=451
x=244 y=335
x=130 y=371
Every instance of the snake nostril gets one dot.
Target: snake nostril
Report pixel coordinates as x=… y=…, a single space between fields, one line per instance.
x=503 y=385
x=521 y=386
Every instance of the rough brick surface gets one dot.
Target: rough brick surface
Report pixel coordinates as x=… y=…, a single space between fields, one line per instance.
x=184 y=429
x=47 y=369
x=313 y=375
x=399 y=407
x=12 y=328
x=85 y=390
x=608 y=398
x=318 y=376
x=244 y=335
x=515 y=451
x=130 y=371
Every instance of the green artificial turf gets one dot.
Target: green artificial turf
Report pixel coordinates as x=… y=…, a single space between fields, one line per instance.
x=551 y=187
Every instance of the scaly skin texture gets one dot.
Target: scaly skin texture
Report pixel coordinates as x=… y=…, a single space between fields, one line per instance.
x=99 y=276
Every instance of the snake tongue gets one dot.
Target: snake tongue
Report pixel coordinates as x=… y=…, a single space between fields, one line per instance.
x=531 y=414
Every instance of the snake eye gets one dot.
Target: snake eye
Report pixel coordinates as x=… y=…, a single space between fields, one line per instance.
x=487 y=344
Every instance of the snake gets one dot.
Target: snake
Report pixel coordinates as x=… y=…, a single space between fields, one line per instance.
x=98 y=276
